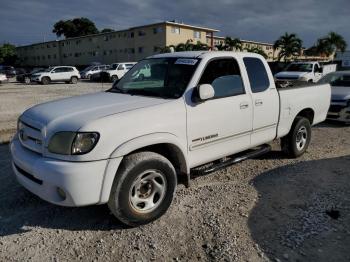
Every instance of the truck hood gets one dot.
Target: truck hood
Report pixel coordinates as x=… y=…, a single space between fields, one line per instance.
x=72 y=113
x=290 y=75
x=340 y=93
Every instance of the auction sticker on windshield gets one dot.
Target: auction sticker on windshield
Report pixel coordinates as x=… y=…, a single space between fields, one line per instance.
x=183 y=61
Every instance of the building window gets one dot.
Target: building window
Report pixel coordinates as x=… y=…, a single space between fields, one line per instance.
x=104 y=52
x=48 y=56
x=142 y=33
x=141 y=49
x=54 y=56
x=131 y=35
x=157 y=30
x=196 y=34
x=48 y=45
x=131 y=50
x=175 y=30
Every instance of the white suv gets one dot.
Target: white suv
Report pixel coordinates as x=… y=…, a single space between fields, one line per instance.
x=68 y=74
x=118 y=70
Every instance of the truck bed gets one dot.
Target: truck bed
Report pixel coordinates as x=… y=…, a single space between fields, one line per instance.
x=300 y=97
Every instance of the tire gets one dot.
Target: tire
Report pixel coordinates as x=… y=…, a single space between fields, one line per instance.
x=297 y=141
x=74 y=80
x=27 y=80
x=45 y=80
x=114 y=78
x=140 y=176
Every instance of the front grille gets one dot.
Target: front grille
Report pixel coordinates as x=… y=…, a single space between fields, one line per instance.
x=31 y=137
x=335 y=108
x=29 y=176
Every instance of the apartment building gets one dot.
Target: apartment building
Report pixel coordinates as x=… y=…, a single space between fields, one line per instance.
x=131 y=44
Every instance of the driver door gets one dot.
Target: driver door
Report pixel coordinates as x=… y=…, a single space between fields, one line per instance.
x=222 y=125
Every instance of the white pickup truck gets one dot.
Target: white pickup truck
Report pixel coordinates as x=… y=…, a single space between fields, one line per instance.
x=304 y=72
x=128 y=146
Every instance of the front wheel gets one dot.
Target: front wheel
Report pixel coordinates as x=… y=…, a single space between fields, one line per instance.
x=298 y=139
x=45 y=80
x=114 y=78
x=143 y=188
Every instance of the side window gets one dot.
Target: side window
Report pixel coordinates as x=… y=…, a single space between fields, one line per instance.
x=317 y=69
x=224 y=75
x=259 y=81
x=58 y=70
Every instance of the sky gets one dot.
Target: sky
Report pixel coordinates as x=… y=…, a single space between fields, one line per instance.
x=30 y=21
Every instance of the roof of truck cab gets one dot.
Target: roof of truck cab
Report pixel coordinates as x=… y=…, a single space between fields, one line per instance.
x=202 y=54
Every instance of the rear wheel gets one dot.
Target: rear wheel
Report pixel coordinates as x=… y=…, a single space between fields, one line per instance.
x=74 y=80
x=143 y=188
x=45 y=80
x=298 y=139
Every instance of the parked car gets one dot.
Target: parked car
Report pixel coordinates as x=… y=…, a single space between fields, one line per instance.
x=303 y=72
x=89 y=71
x=340 y=103
x=3 y=78
x=128 y=146
x=117 y=70
x=25 y=77
x=68 y=74
x=9 y=71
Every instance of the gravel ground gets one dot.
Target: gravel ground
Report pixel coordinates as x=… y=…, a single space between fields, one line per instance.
x=266 y=209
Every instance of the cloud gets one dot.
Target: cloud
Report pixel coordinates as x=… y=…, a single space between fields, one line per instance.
x=27 y=21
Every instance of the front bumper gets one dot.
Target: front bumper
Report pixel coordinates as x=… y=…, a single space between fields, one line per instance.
x=81 y=182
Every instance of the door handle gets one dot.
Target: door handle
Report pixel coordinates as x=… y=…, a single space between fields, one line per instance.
x=258 y=102
x=243 y=105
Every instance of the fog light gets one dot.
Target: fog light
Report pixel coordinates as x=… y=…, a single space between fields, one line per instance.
x=61 y=193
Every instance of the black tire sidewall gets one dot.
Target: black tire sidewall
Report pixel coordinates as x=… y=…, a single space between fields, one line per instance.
x=45 y=81
x=298 y=124
x=123 y=183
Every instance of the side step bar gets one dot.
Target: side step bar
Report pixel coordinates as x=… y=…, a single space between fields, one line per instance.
x=234 y=159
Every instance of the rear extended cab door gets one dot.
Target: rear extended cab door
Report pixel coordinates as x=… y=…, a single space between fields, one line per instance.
x=265 y=99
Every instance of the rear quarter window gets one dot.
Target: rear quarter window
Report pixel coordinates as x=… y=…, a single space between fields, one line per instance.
x=258 y=78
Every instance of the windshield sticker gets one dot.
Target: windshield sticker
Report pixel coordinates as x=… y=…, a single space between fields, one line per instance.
x=183 y=61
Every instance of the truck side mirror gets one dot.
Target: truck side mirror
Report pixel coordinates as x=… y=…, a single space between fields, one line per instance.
x=204 y=92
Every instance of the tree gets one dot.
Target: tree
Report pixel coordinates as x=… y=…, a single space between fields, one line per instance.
x=74 y=27
x=233 y=44
x=331 y=43
x=290 y=45
x=8 y=54
x=257 y=50
x=107 y=30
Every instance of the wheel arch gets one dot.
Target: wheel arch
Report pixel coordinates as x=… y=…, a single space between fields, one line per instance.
x=165 y=144
x=308 y=113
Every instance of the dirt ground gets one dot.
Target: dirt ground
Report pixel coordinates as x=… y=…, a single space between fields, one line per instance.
x=266 y=209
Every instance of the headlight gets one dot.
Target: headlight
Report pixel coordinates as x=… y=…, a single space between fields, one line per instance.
x=72 y=143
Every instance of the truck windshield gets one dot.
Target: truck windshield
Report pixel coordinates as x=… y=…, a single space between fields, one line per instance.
x=157 y=77
x=299 y=68
x=336 y=79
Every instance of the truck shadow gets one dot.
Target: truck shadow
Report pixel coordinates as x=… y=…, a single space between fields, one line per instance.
x=303 y=211
x=20 y=210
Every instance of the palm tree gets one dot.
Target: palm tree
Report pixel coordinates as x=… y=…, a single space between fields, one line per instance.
x=233 y=44
x=221 y=47
x=289 y=44
x=188 y=46
x=331 y=43
x=166 y=49
x=199 y=46
x=257 y=50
